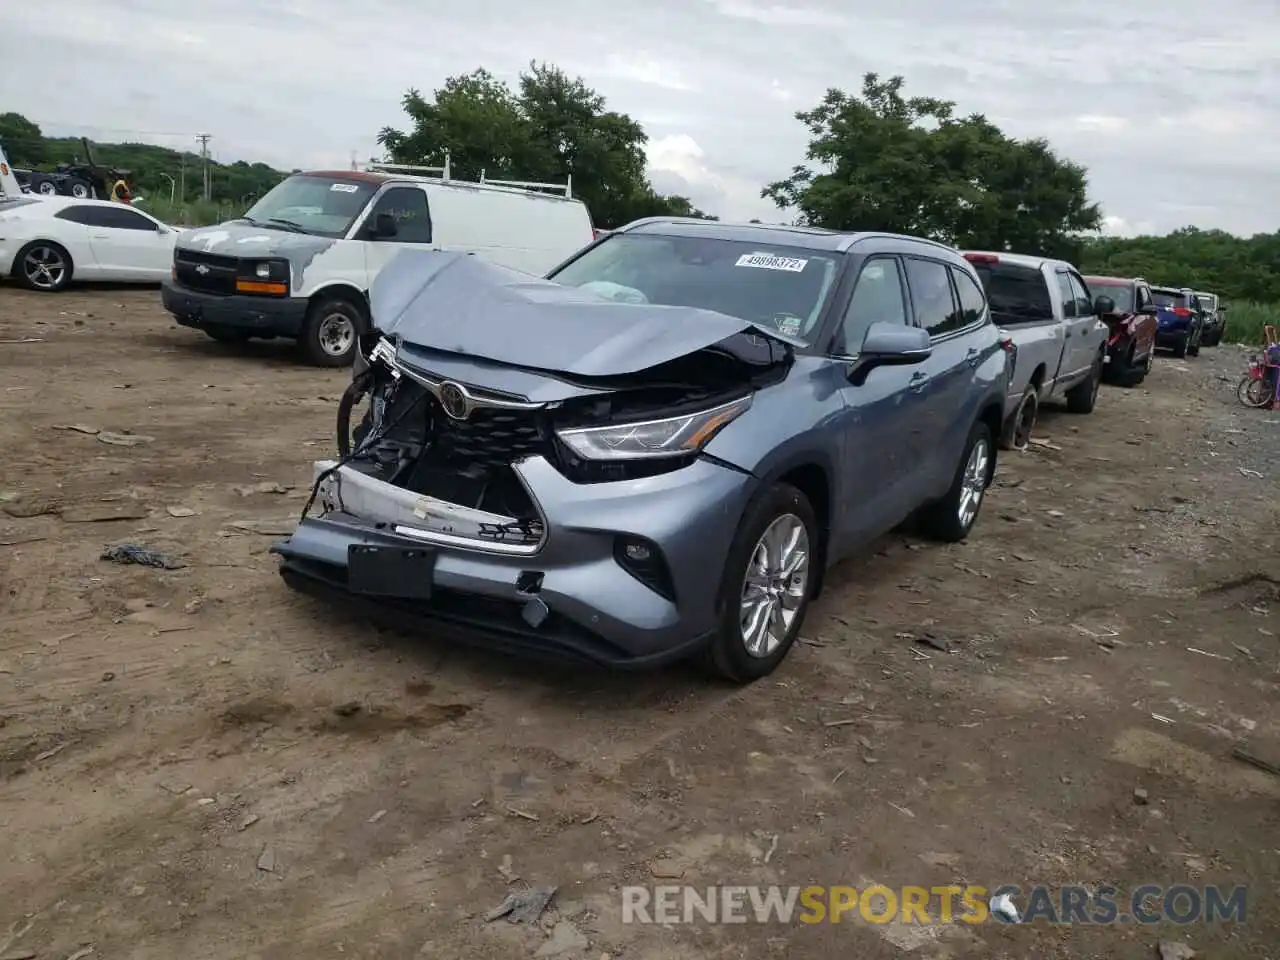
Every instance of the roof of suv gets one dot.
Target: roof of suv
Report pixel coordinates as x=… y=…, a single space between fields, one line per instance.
x=778 y=235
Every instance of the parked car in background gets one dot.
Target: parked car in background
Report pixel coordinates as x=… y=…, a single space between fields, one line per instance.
x=1214 y=316
x=658 y=451
x=300 y=262
x=1131 y=326
x=45 y=243
x=1179 y=323
x=1045 y=308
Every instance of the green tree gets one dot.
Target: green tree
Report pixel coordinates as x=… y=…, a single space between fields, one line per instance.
x=553 y=127
x=22 y=140
x=908 y=165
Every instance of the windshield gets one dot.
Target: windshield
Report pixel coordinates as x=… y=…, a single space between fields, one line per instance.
x=1168 y=298
x=325 y=206
x=782 y=288
x=1119 y=291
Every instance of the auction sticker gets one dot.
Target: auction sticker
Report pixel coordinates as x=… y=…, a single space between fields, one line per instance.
x=344 y=187
x=766 y=261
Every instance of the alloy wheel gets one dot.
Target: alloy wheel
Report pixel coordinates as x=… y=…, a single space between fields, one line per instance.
x=44 y=267
x=775 y=585
x=973 y=484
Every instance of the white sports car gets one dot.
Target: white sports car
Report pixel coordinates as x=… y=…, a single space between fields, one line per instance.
x=46 y=242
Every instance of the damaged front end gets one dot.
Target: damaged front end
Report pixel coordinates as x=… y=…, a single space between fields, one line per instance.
x=558 y=509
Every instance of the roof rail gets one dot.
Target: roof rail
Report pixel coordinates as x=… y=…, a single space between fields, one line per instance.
x=566 y=187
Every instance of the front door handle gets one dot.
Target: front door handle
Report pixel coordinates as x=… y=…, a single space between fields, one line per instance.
x=973 y=356
x=918 y=380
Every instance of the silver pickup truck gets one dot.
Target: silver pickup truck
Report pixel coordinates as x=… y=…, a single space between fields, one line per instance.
x=1060 y=341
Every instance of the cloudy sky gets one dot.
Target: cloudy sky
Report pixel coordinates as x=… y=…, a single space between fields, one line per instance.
x=1174 y=105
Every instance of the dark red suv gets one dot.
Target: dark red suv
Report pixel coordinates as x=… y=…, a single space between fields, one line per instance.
x=1131 y=338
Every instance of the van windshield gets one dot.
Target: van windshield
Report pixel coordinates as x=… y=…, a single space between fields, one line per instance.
x=779 y=287
x=324 y=206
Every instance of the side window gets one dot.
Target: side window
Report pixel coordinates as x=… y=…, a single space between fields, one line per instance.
x=122 y=219
x=1141 y=299
x=83 y=215
x=972 y=300
x=1066 y=296
x=931 y=295
x=877 y=298
x=409 y=207
x=1084 y=302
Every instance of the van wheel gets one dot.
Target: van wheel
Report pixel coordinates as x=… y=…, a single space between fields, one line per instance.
x=1017 y=429
x=331 y=332
x=769 y=578
x=1084 y=396
x=950 y=519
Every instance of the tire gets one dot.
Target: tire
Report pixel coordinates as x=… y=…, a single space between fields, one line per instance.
x=1139 y=374
x=944 y=520
x=227 y=334
x=781 y=508
x=80 y=189
x=1017 y=429
x=1193 y=345
x=43 y=266
x=331 y=332
x=1253 y=392
x=45 y=187
x=1083 y=397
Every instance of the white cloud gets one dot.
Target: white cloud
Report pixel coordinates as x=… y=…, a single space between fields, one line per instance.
x=301 y=83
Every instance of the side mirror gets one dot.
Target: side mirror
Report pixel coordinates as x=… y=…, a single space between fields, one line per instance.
x=1222 y=308
x=1104 y=305
x=1150 y=310
x=889 y=345
x=384 y=227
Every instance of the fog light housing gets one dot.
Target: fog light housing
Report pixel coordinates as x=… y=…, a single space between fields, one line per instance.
x=643 y=560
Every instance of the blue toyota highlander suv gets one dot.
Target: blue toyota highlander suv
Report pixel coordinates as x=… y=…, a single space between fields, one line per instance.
x=657 y=451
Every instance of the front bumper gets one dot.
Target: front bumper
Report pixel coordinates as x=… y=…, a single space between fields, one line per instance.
x=258 y=316
x=591 y=608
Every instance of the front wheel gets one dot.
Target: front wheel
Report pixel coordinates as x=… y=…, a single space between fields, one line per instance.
x=1193 y=345
x=43 y=266
x=331 y=331
x=1084 y=396
x=951 y=518
x=768 y=583
x=1253 y=391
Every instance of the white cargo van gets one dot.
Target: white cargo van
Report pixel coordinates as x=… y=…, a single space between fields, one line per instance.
x=299 y=263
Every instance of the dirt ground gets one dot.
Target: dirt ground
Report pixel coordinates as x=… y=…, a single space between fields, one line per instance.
x=197 y=762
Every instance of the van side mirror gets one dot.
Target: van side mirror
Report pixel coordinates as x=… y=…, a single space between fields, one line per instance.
x=384 y=227
x=889 y=345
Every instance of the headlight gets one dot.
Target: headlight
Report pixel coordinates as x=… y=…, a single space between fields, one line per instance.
x=669 y=437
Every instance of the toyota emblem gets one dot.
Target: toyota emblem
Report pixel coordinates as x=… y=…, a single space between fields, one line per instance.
x=454 y=400
x=202 y=269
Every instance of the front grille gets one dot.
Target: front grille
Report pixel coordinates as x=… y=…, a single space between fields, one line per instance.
x=206 y=272
x=490 y=437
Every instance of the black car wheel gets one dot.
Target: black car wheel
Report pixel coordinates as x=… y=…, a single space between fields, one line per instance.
x=1084 y=396
x=331 y=332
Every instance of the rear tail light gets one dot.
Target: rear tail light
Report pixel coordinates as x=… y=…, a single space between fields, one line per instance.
x=1008 y=346
x=1181 y=312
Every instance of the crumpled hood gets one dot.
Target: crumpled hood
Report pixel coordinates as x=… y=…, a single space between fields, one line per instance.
x=244 y=240
x=465 y=305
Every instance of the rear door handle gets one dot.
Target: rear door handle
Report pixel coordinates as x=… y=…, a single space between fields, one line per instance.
x=973 y=356
x=918 y=380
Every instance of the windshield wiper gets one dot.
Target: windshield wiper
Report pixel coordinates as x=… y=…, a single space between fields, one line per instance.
x=288 y=224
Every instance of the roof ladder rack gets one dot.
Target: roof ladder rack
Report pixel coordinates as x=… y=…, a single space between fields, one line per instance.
x=566 y=188
x=441 y=172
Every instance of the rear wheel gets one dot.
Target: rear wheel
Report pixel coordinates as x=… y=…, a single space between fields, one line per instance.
x=1084 y=396
x=330 y=334
x=1181 y=347
x=80 y=189
x=951 y=518
x=44 y=266
x=1253 y=391
x=1018 y=428
x=768 y=583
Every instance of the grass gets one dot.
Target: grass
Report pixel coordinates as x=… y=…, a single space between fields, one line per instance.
x=1246 y=318
x=193 y=213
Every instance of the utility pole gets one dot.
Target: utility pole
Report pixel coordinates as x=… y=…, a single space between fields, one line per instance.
x=353 y=161
x=204 y=139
